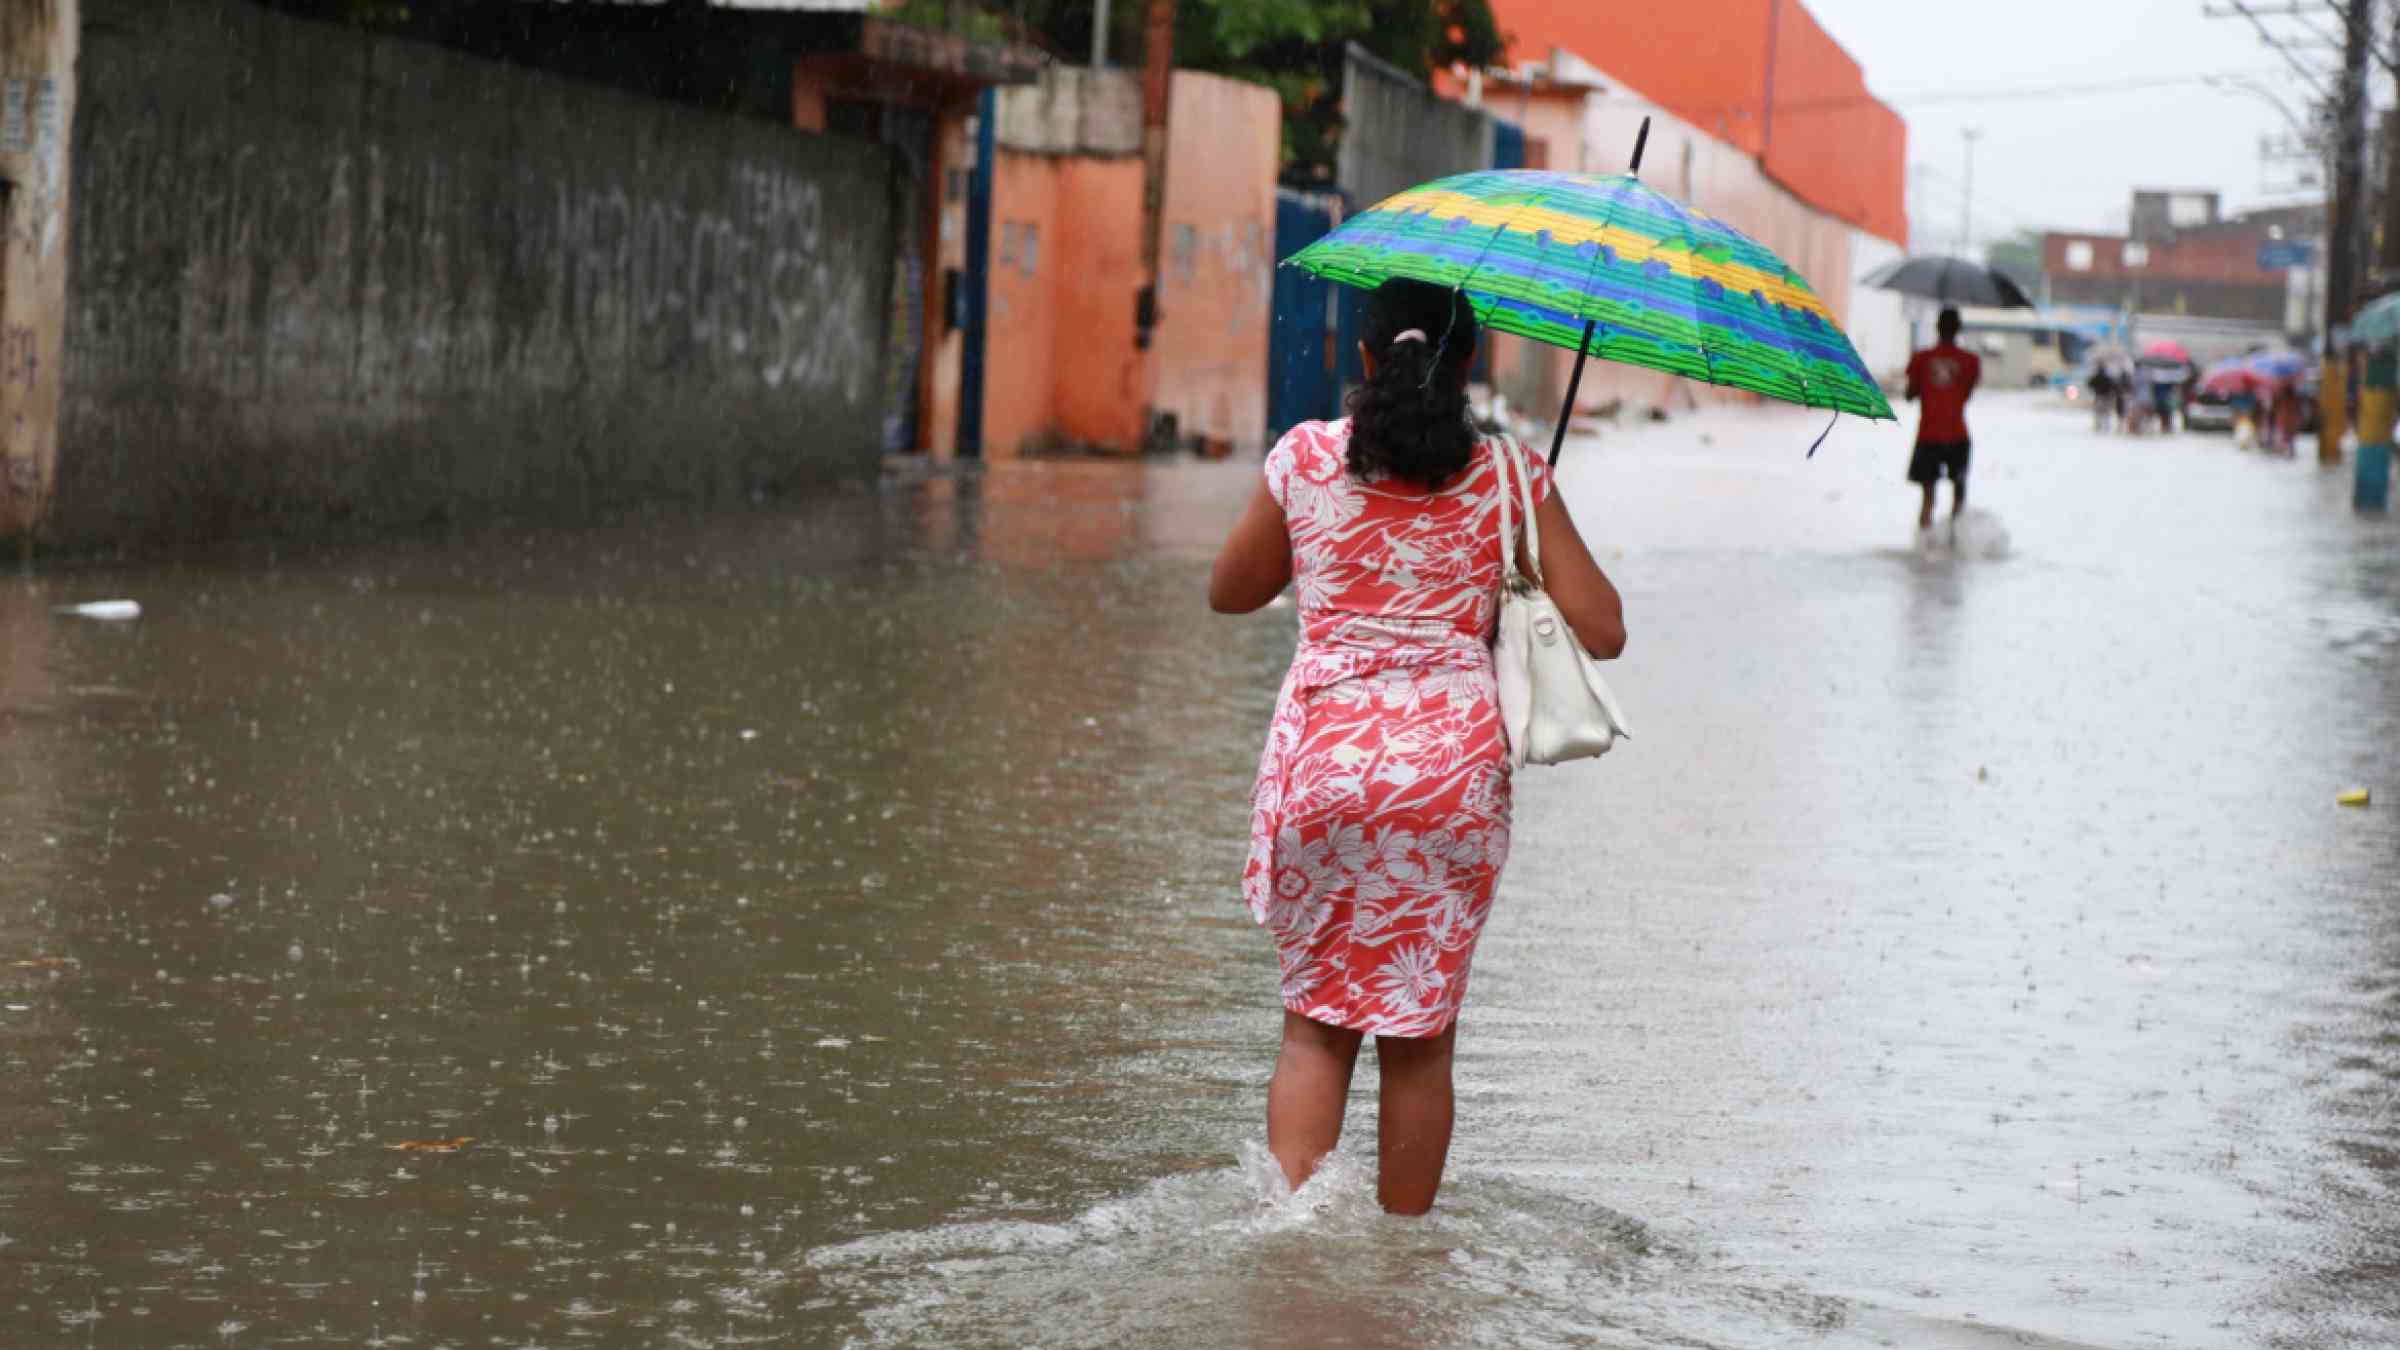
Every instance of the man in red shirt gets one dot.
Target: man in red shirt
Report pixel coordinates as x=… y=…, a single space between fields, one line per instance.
x=1939 y=379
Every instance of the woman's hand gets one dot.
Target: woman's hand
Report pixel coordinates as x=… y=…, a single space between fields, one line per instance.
x=1256 y=562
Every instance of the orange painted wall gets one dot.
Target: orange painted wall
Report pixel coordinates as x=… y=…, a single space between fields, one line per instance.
x=1832 y=143
x=1217 y=259
x=1060 y=364
x=1017 y=356
x=1099 y=380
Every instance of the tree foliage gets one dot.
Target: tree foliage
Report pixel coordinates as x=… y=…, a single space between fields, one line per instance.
x=2020 y=257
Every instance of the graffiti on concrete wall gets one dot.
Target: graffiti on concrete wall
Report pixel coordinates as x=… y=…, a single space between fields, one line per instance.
x=752 y=285
x=593 y=282
x=334 y=288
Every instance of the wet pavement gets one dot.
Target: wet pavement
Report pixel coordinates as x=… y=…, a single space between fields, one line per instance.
x=820 y=926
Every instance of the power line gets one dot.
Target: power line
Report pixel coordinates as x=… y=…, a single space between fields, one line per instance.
x=2000 y=94
x=2006 y=95
x=2258 y=19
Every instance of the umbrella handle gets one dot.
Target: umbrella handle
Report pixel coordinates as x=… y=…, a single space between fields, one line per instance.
x=1558 y=438
x=1641 y=139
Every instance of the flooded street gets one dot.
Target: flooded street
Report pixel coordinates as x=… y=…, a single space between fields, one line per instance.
x=821 y=927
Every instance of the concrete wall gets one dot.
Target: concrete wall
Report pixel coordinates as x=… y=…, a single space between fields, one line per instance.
x=1100 y=379
x=1876 y=320
x=1216 y=291
x=38 y=40
x=324 y=277
x=1073 y=110
x=1060 y=365
x=1020 y=352
x=1396 y=134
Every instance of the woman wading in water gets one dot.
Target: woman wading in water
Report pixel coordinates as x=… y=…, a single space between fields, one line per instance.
x=1380 y=819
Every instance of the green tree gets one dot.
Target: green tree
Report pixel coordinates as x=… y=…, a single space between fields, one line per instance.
x=1295 y=47
x=2020 y=257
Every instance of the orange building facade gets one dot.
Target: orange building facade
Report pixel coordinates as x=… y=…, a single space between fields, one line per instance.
x=1064 y=367
x=1758 y=75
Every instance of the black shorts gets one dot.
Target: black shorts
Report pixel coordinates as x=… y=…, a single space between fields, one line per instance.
x=1933 y=460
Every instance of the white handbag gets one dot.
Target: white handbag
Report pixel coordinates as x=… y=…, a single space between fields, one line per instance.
x=1553 y=702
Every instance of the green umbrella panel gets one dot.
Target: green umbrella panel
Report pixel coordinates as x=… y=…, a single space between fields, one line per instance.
x=1658 y=283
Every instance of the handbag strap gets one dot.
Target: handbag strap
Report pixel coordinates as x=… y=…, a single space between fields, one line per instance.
x=1510 y=458
x=1511 y=580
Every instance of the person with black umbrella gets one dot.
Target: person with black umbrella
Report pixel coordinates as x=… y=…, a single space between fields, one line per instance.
x=1940 y=379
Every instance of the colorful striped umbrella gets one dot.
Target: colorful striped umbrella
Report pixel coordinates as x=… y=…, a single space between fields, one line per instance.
x=1605 y=267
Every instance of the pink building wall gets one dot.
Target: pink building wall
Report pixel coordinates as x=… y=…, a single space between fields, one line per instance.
x=1217 y=259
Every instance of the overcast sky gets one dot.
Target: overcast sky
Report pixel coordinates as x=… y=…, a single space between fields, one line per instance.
x=2070 y=160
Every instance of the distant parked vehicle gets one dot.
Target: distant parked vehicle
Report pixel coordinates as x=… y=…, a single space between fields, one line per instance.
x=2209 y=412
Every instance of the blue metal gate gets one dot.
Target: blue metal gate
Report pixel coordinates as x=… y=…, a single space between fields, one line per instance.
x=1301 y=365
x=978 y=282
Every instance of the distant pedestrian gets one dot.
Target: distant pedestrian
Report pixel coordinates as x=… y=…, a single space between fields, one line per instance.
x=2103 y=389
x=1380 y=818
x=1940 y=380
x=2166 y=380
x=2140 y=400
x=2282 y=422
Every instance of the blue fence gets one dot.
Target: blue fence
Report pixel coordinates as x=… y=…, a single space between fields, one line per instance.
x=1302 y=384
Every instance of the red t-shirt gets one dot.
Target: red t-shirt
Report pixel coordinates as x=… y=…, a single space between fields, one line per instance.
x=1943 y=376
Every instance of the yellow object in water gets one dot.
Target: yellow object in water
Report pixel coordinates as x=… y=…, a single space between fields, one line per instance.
x=2354 y=797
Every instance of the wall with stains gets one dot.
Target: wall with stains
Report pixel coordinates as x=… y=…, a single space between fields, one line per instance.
x=37 y=106
x=1061 y=368
x=1217 y=263
x=322 y=278
x=1064 y=368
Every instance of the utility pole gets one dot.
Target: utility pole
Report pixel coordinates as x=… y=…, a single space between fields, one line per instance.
x=1966 y=196
x=1100 y=35
x=2342 y=250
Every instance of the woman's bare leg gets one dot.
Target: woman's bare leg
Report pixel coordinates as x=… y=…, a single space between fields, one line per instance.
x=1412 y=1126
x=1306 y=1097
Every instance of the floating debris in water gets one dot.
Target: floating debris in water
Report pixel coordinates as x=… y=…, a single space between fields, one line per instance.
x=2353 y=797
x=44 y=962
x=451 y=1145
x=112 y=611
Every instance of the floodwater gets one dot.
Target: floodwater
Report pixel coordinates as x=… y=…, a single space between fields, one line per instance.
x=819 y=927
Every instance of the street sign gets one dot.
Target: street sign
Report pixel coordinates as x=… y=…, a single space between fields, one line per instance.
x=2278 y=255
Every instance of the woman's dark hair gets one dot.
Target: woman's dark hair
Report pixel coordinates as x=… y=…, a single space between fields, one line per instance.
x=1409 y=420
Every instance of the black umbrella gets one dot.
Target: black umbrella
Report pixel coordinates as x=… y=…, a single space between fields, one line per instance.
x=1951 y=281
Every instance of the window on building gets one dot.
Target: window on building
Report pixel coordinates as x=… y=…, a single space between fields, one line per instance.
x=2079 y=255
x=2137 y=255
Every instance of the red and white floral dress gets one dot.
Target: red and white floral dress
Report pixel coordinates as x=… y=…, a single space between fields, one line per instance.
x=1379 y=823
